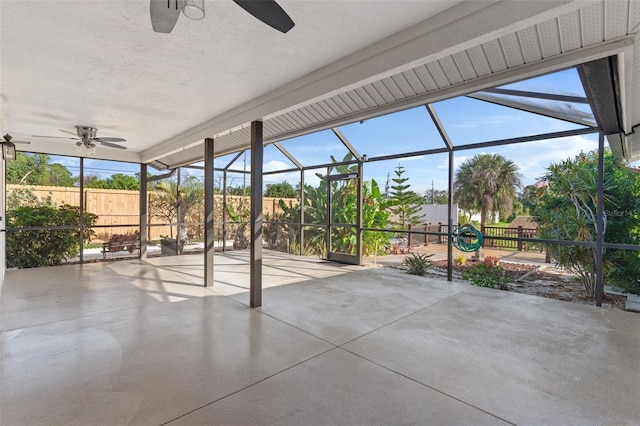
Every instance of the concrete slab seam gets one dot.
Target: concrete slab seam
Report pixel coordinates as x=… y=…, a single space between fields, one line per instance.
x=248 y=386
x=429 y=387
x=406 y=316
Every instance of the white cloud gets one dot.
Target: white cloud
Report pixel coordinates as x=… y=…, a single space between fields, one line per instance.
x=533 y=158
x=275 y=165
x=293 y=178
x=457 y=162
x=310 y=178
x=407 y=159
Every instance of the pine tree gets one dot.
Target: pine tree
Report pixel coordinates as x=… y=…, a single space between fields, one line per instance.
x=406 y=202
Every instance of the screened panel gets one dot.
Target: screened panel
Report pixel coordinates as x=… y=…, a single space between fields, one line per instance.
x=275 y=160
x=468 y=121
x=521 y=193
x=401 y=132
x=112 y=192
x=43 y=210
x=281 y=197
x=579 y=113
x=315 y=241
x=191 y=219
x=343 y=240
x=317 y=148
x=161 y=210
x=223 y=161
x=242 y=163
x=565 y=82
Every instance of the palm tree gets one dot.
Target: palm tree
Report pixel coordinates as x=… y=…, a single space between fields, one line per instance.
x=167 y=200
x=487 y=182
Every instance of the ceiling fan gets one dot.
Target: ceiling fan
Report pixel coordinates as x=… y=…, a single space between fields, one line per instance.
x=87 y=138
x=165 y=13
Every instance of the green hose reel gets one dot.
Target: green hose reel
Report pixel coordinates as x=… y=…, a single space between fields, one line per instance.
x=466 y=238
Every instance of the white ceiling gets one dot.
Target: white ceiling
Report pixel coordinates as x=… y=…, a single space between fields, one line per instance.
x=98 y=63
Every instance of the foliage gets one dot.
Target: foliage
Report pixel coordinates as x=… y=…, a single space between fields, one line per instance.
x=487 y=183
x=460 y=260
x=436 y=196
x=281 y=190
x=375 y=214
x=518 y=210
x=35 y=169
x=527 y=198
x=241 y=218
x=166 y=200
x=115 y=181
x=127 y=241
x=566 y=210
x=491 y=260
x=417 y=263
x=239 y=190
x=406 y=202
x=487 y=274
x=25 y=197
x=30 y=248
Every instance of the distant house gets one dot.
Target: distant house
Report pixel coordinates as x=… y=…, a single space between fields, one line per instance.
x=526 y=222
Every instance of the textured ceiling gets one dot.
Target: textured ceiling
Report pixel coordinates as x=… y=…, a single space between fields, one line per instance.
x=98 y=63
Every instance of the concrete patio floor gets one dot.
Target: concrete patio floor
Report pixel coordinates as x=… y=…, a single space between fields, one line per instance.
x=141 y=342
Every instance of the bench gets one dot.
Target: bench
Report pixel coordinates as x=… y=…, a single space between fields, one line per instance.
x=116 y=246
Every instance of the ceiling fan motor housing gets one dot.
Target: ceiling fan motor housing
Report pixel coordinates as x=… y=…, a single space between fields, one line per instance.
x=86 y=132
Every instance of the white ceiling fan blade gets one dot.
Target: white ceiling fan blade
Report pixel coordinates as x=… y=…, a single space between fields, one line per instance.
x=55 y=137
x=110 y=145
x=71 y=133
x=109 y=140
x=164 y=14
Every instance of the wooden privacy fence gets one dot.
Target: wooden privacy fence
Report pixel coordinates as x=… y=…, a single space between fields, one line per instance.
x=118 y=210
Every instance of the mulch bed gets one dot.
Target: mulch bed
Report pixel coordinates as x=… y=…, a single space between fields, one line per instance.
x=544 y=282
x=512 y=270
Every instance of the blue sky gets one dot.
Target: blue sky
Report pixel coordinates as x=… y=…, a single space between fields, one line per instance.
x=465 y=120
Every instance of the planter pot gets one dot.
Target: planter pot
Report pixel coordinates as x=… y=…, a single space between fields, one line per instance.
x=170 y=247
x=633 y=303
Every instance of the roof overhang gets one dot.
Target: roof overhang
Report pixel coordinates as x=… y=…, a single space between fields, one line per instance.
x=461 y=48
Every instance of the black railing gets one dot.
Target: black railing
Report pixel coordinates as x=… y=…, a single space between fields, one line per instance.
x=516 y=232
x=513 y=238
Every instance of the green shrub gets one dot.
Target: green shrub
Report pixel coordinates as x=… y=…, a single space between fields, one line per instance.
x=417 y=264
x=32 y=248
x=487 y=274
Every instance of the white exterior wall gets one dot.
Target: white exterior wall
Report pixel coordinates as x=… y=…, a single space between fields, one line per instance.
x=437 y=213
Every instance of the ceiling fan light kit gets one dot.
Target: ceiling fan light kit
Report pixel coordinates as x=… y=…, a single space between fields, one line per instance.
x=193 y=9
x=87 y=148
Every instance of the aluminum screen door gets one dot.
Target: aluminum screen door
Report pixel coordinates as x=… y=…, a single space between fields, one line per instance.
x=343 y=209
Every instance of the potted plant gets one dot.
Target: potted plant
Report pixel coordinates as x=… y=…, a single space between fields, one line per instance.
x=169 y=246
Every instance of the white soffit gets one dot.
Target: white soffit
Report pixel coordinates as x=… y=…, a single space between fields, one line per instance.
x=561 y=36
